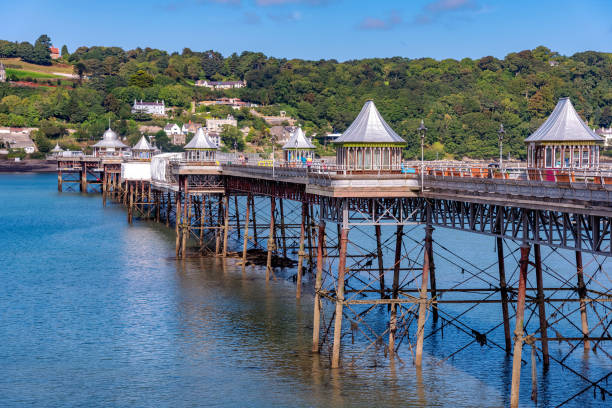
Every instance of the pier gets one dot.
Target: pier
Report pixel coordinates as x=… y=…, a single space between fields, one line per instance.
x=365 y=230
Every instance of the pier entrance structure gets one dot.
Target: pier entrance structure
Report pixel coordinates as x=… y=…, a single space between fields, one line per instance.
x=298 y=148
x=369 y=143
x=563 y=141
x=381 y=276
x=110 y=145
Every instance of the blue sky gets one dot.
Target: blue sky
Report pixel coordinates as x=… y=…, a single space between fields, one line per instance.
x=315 y=29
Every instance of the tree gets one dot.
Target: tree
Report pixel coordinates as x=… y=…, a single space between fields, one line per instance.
x=65 y=53
x=141 y=79
x=232 y=138
x=42 y=51
x=80 y=69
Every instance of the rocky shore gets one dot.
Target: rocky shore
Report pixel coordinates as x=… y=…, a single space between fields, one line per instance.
x=27 y=166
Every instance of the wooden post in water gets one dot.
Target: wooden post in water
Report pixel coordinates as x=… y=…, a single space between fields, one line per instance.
x=335 y=363
x=316 y=322
x=237 y=215
x=282 y=228
x=395 y=289
x=130 y=188
x=59 y=181
x=177 y=225
x=83 y=187
x=271 y=239
x=245 y=241
x=518 y=331
x=582 y=295
x=381 y=268
x=504 y=293
x=541 y=305
x=225 y=222
x=104 y=188
x=298 y=290
x=423 y=293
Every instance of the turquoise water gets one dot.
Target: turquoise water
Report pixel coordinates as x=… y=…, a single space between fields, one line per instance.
x=95 y=313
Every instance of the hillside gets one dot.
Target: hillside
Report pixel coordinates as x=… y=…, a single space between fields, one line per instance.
x=462 y=102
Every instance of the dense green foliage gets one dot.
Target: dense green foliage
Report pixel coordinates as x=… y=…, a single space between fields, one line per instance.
x=462 y=102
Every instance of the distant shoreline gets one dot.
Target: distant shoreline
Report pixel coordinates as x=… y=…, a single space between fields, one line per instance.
x=27 y=166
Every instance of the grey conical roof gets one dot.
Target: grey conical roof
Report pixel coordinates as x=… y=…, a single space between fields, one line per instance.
x=564 y=125
x=56 y=149
x=143 y=145
x=298 y=140
x=369 y=127
x=200 y=141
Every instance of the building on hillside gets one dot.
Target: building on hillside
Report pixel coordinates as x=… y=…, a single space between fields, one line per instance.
x=606 y=134
x=143 y=149
x=369 y=143
x=282 y=134
x=200 y=148
x=298 y=148
x=110 y=145
x=2 y=72
x=55 y=53
x=190 y=127
x=152 y=108
x=172 y=129
x=220 y=84
x=215 y=138
x=17 y=138
x=216 y=125
x=178 y=139
x=563 y=141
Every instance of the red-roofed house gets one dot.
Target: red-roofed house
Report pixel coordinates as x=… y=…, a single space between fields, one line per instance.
x=55 y=53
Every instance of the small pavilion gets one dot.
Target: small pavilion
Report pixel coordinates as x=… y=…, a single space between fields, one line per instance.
x=57 y=150
x=110 y=145
x=142 y=149
x=201 y=148
x=298 y=148
x=369 y=143
x=563 y=141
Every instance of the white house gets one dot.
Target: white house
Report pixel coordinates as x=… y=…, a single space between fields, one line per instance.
x=216 y=125
x=606 y=134
x=220 y=84
x=172 y=129
x=152 y=108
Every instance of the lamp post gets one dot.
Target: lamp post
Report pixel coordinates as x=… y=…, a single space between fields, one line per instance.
x=422 y=130
x=501 y=132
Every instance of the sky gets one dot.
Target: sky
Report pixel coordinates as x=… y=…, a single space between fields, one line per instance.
x=318 y=29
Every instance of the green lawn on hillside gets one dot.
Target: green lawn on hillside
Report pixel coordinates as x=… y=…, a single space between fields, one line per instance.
x=20 y=74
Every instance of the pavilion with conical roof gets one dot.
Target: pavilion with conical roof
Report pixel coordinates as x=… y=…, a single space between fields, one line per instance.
x=563 y=141
x=142 y=149
x=110 y=145
x=298 y=148
x=200 y=148
x=369 y=143
x=57 y=150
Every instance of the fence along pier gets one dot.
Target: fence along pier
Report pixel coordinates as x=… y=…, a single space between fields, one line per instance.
x=367 y=238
